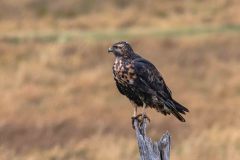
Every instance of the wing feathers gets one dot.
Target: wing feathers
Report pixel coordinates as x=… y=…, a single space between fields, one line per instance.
x=174 y=110
x=151 y=81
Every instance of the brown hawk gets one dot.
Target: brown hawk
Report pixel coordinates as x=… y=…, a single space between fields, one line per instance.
x=141 y=82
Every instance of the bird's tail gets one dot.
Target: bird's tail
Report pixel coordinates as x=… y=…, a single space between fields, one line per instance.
x=180 y=107
x=176 y=108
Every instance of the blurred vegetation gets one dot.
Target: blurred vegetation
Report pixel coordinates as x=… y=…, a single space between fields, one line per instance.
x=58 y=97
x=116 y=14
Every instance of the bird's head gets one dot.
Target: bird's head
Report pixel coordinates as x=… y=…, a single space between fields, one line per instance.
x=121 y=49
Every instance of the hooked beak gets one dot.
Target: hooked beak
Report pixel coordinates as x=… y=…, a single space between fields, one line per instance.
x=110 y=50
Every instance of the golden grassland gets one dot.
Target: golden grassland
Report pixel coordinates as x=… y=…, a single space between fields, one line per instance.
x=115 y=14
x=58 y=98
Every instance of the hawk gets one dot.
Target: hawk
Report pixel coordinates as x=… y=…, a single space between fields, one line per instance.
x=141 y=82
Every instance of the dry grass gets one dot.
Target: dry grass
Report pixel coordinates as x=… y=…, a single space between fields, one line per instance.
x=58 y=98
x=86 y=15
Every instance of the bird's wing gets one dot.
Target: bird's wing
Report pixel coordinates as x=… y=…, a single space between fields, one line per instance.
x=148 y=75
x=120 y=88
x=149 y=79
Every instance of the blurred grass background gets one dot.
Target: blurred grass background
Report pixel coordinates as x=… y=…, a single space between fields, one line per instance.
x=58 y=98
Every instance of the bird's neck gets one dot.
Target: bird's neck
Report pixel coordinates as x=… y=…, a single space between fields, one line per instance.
x=126 y=57
x=119 y=59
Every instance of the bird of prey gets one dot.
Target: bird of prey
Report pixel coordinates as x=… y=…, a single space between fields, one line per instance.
x=142 y=83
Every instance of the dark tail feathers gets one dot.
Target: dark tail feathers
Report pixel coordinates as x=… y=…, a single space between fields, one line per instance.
x=176 y=109
x=180 y=108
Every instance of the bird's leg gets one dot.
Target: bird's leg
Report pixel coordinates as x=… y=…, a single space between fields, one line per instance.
x=135 y=111
x=134 y=115
x=144 y=115
x=140 y=117
x=143 y=110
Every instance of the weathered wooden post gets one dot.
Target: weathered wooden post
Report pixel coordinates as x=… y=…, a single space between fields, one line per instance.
x=148 y=149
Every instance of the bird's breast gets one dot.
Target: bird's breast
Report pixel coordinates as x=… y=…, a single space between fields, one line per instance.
x=124 y=72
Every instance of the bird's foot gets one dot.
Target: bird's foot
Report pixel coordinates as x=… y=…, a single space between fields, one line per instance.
x=140 y=118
